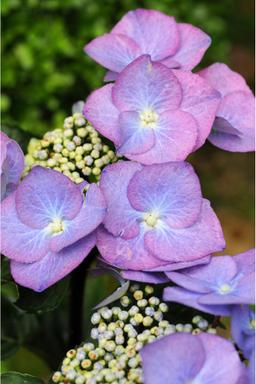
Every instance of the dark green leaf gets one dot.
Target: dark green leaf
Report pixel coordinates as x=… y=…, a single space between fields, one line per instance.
x=48 y=300
x=10 y=290
x=14 y=328
x=19 y=378
x=5 y=269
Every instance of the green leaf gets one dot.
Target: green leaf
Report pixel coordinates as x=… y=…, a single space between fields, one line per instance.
x=5 y=269
x=14 y=327
x=48 y=300
x=19 y=378
x=10 y=290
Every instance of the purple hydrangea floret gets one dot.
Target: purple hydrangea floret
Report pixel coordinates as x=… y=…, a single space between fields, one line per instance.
x=217 y=286
x=143 y=31
x=156 y=217
x=154 y=114
x=243 y=329
x=48 y=227
x=233 y=128
x=183 y=358
x=12 y=165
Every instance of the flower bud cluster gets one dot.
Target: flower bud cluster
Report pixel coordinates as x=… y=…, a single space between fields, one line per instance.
x=76 y=150
x=118 y=334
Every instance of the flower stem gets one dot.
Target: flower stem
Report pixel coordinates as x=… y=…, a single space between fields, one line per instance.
x=77 y=288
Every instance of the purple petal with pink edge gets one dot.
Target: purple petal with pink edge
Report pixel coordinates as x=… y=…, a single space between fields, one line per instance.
x=170 y=63
x=53 y=267
x=233 y=129
x=4 y=140
x=186 y=264
x=110 y=76
x=12 y=165
x=193 y=44
x=125 y=254
x=18 y=241
x=147 y=28
x=121 y=218
x=246 y=261
x=166 y=267
x=222 y=78
x=15 y=160
x=200 y=100
x=187 y=244
x=171 y=189
x=100 y=111
x=45 y=195
x=175 y=137
x=146 y=85
x=113 y=51
x=222 y=363
x=135 y=138
x=88 y=219
x=167 y=360
x=206 y=278
x=146 y=277
x=190 y=299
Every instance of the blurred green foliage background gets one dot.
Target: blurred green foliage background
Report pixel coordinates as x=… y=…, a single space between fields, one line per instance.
x=44 y=71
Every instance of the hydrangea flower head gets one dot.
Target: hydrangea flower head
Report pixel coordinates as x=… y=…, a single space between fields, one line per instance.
x=243 y=328
x=156 y=217
x=47 y=227
x=233 y=129
x=12 y=164
x=154 y=114
x=215 y=287
x=186 y=358
x=143 y=31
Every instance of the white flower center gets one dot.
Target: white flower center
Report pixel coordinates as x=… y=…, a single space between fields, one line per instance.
x=225 y=289
x=148 y=118
x=56 y=226
x=151 y=219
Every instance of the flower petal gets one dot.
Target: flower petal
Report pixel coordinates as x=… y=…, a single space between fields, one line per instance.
x=146 y=277
x=88 y=219
x=175 y=137
x=102 y=113
x=222 y=78
x=200 y=100
x=222 y=363
x=121 y=218
x=177 y=365
x=206 y=278
x=18 y=241
x=190 y=299
x=110 y=76
x=125 y=254
x=187 y=244
x=234 y=127
x=193 y=44
x=171 y=189
x=135 y=138
x=147 y=28
x=113 y=51
x=44 y=195
x=53 y=267
x=246 y=261
x=144 y=85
